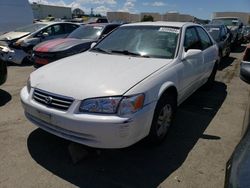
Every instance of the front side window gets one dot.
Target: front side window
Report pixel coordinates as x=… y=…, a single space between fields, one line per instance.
x=205 y=40
x=147 y=41
x=191 y=40
x=59 y=29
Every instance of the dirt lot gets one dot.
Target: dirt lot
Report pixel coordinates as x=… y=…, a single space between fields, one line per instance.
x=207 y=128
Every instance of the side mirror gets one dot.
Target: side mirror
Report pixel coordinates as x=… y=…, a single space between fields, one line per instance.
x=43 y=35
x=92 y=45
x=245 y=71
x=191 y=54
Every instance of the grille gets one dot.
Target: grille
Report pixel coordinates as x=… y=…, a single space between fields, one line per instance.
x=52 y=100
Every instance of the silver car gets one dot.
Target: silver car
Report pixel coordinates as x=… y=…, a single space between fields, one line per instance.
x=16 y=46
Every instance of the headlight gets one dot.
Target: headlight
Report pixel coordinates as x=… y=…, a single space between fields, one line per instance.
x=28 y=85
x=109 y=105
x=100 y=105
x=130 y=105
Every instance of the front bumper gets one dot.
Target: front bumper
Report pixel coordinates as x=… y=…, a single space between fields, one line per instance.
x=12 y=55
x=100 y=131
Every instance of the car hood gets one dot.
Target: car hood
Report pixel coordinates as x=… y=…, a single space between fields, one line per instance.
x=13 y=35
x=92 y=74
x=59 y=44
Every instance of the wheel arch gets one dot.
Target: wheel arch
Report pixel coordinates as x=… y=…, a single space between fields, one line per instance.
x=168 y=88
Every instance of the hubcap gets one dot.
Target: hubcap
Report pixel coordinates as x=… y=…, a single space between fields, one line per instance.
x=164 y=120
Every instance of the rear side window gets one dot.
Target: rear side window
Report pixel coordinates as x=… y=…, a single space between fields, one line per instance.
x=191 y=39
x=109 y=29
x=205 y=39
x=70 y=27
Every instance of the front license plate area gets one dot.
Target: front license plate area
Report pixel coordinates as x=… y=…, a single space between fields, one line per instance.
x=43 y=116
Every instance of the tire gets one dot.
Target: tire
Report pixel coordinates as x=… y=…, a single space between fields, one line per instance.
x=211 y=79
x=220 y=57
x=163 y=117
x=3 y=72
x=228 y=53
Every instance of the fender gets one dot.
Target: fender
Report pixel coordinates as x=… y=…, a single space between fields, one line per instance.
x=164 y=87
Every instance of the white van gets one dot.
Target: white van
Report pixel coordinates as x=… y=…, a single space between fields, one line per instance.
x=14 y=14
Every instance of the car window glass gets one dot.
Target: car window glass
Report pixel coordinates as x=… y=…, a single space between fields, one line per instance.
x=205 y=40
x=108 y=29
x=48 y=30
x=191 y=39
x=152 y=41
x=223 y=32
x=59 y=29
x=70 y=28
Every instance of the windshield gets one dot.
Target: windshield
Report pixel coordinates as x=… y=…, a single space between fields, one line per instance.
x=87 y=32
x=31 y=28
x=214 y=32
x=226 y=21
x=147 y=41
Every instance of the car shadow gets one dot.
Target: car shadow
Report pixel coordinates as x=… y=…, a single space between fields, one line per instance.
x=225 y=62
x=140 y=165
x=5 y=97
x=25 y=63
x=239 y=49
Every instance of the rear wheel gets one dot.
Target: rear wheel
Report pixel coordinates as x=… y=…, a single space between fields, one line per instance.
x=163 y=118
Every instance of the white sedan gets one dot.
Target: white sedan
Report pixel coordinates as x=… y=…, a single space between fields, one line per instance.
x=125 y=88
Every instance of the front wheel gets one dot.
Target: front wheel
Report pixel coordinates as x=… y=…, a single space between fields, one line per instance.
x=163 y=118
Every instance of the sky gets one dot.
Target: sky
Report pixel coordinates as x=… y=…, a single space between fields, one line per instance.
x=199 y=8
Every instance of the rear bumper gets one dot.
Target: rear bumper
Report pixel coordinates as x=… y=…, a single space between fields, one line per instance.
x=100 y=131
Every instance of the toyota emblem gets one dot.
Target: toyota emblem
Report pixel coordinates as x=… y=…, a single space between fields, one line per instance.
x=48 y=100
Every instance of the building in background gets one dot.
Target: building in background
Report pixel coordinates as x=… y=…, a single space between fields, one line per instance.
x=243 y=16
x=41 y=11
x=127 y=17
x=156 y=16
x=122 y=17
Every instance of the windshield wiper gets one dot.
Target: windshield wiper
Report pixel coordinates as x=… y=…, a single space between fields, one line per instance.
x=100 y=50
x=126 y=52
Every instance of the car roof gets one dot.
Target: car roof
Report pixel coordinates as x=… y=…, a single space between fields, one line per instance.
x=162 y=23
x=52 y=23
x=225 y=18
x=213 y=25
x=102 y=24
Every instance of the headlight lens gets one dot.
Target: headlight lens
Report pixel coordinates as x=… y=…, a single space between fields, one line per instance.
x=109 y=105
x=100 y=105
x=130 y=105
x=28 y=85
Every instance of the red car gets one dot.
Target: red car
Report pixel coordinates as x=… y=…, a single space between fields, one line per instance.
x=78 y=41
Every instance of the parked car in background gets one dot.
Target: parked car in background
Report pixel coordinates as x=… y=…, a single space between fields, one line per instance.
x=235 y=25
x=16 y=46
x=14 y=14
x=246 y=33
x=238 y=166
x=125 y=88
x=97 y=20
x=3 y=72
x=78 y=41
x=222 y=36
